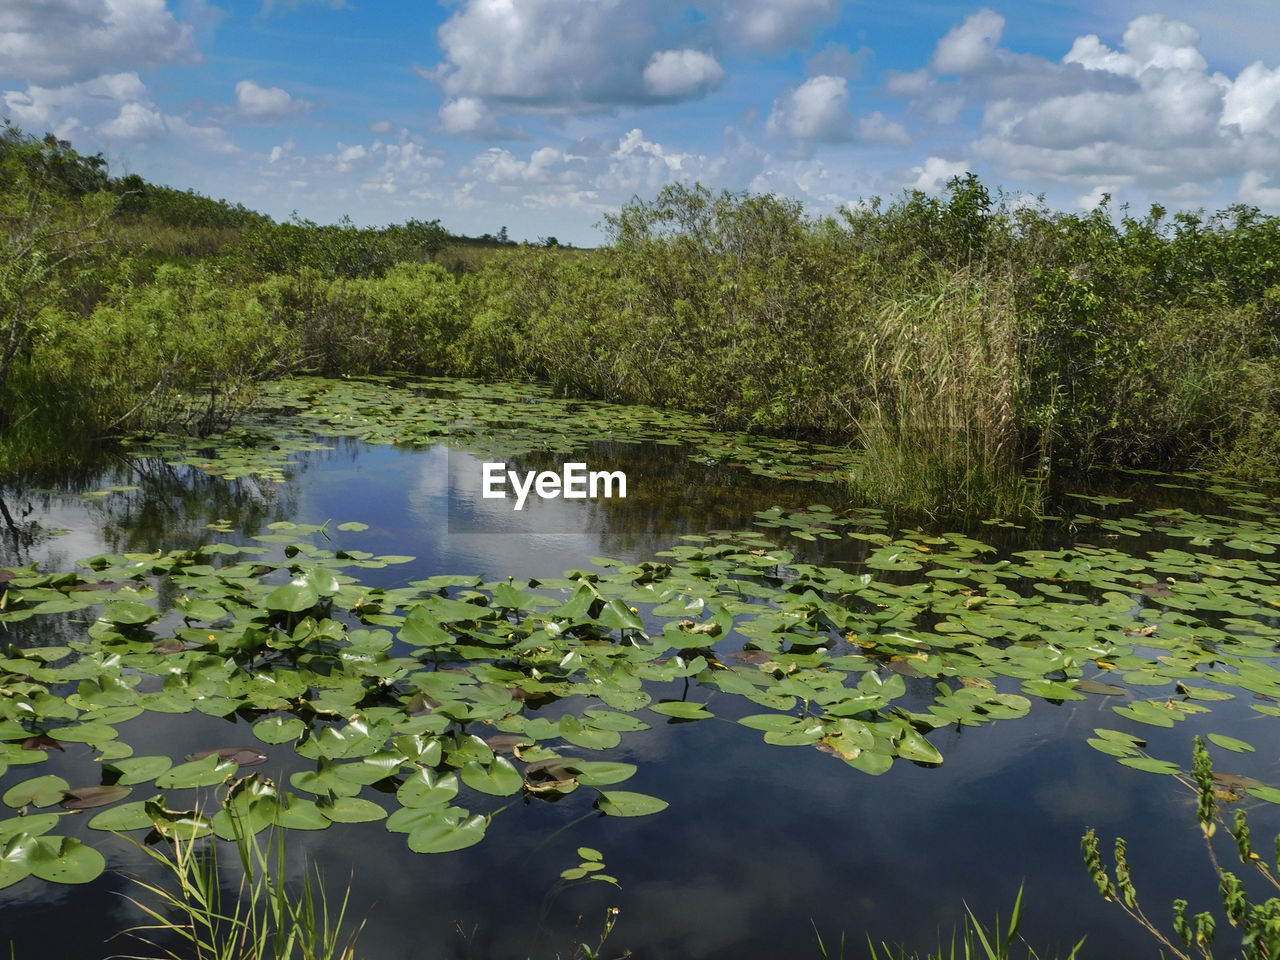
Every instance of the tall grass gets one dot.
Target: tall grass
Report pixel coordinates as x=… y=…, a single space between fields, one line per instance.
x=976 y=942
x=938 y=425
x=193 y=917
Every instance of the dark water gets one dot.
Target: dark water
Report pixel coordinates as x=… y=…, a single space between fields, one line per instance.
x=760 y=845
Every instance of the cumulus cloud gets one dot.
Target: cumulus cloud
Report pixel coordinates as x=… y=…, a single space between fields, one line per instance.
x=1255 y=190
x=114 y=106
x=933 y=175
x=770 y=24
x=547 y=53
x=836 y=60
x=69 y=41
x=875 y=127
x=135 y=121
x=682 y=73
x=1146 y=113
x=818 y=109
x=256 y=102
x=970 y=46
x=468 y=117
x=1251 y=102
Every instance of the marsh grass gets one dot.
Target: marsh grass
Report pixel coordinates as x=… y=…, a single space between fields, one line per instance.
x=977 y=942
x=260 y=918
x=938 y=427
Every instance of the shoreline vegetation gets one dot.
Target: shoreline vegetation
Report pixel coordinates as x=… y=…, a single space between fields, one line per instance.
x=966 y=347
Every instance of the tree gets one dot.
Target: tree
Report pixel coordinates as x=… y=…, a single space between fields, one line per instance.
x=53 y=204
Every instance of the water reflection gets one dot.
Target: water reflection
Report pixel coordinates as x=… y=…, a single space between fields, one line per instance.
x=760 y=843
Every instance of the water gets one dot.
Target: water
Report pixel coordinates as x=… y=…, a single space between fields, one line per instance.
x=760 y=845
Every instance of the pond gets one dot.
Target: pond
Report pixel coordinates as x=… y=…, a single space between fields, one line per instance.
x=764 y=711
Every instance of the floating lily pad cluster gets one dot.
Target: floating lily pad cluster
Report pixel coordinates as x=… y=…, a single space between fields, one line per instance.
x=420 y=704
x=499 y=419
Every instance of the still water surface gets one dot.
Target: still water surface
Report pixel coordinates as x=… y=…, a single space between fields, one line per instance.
x=760 y=844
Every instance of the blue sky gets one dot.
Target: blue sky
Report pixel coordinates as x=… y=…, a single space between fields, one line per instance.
x=544 y=115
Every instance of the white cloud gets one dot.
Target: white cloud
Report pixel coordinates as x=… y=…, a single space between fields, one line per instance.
x=970 y=46
x=1147 y=114
x=348 y=158
x=114 y=106
x=283 y=151
x=769 y=24
x=1254 y=190
x=66 y=41
x=256 y=102
x=836 y=60
x=558 y=56
x=1252 y=100
x=682 y=73
x=875 y=127
x=816 y=110
x=1095 y=197
x=1149 y=41
x=136 y=121
x=935 y=172
x=472 y=117
x=203 y=137
x=547 y=54
x=913 y=83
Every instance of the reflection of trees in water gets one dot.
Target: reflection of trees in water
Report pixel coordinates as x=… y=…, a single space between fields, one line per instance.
x=173 y=508
x=19 y=533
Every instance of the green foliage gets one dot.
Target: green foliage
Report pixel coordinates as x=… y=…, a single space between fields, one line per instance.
x=336 y=250
x=1257 y=921
x=180 y=208
x=52 y=208
x=970 y=345
x=976 y=942
x=262 y=919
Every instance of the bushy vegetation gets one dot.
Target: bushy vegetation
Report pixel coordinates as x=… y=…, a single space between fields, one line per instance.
x=964 y=341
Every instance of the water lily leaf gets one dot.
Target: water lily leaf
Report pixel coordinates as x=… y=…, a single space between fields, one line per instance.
x=425 y=790
x=422 y=629
x=352 y=526
x=1111 y=747
x=350 y=809
x=205 y=772
x=447 y=830
x=1144 y=711
x=591 y=738
x=681 y=710
x=1270 y=794
x=624 y=803
x=179 y=824
x=1231 y=743
x=872 y=762
x=499 y=778
x=243 y=756
x=85 y=798
x=1151 y=765
x=1100 y=689
x=127 y=816
x=38 y=792
x=33 y=824
x=16 y=856
x=299 y=813
x=66 y=860
x=279 y=729
x=128 y=613
x=292 y=598
x=913 y=746
x=600 y=773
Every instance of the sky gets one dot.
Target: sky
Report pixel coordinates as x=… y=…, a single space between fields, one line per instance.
x=544 y=116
